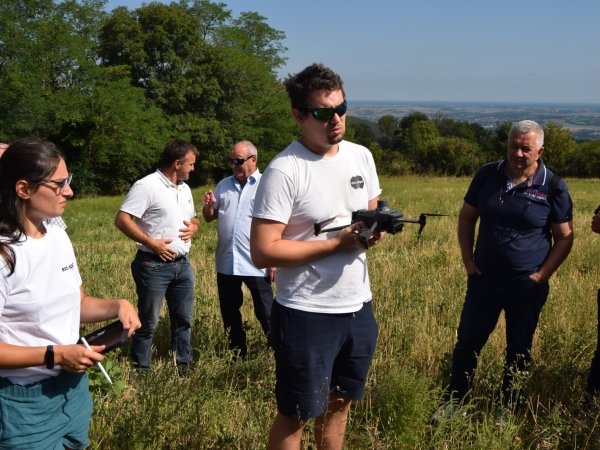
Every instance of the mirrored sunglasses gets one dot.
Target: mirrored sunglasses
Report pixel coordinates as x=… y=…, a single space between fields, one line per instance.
x=327 y=113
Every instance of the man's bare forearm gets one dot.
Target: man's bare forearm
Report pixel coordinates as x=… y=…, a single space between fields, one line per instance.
x=125 y=223
x=208 y=212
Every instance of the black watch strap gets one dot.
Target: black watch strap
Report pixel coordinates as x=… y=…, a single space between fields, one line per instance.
x=49 y=357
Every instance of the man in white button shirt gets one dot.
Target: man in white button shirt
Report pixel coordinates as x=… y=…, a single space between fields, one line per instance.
x=232 y=204
x=159 y=215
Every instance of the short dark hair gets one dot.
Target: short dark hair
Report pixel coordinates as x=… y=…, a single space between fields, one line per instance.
x=314 y=78
x=176 y=150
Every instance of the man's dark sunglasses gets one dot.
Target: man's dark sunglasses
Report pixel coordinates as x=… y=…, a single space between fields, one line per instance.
x=240 y=161
x=327 y=113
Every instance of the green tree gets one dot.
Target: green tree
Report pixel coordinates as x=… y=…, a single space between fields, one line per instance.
x=415 y=141
x=559 y=147
x=451 y=156
x=213 y=75
x=388 y=127
x=54 y=89
x=500 y=138
x=410 y=119
x=586 y=160
x=46 y=48
x=363 y=134
x=110 y=133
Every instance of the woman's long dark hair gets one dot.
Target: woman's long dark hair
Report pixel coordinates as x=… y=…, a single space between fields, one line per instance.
x=32 y=160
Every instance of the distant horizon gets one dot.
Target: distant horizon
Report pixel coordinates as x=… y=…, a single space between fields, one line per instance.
x=480 y=102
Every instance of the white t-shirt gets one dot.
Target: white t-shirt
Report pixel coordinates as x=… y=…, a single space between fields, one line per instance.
x=40 y=303
x=300 y=188
x=160 y=208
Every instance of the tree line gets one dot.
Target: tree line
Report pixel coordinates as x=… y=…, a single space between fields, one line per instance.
x=111 y=88
x=441 y=145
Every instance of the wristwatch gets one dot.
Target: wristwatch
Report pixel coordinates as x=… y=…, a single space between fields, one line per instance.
x=49 y=357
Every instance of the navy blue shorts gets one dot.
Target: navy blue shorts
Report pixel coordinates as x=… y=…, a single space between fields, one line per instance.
x=318 y=354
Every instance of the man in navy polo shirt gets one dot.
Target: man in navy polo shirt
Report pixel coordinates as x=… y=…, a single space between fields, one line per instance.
x=525 y=233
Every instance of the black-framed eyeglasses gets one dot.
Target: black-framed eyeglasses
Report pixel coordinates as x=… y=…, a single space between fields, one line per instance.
x=327 y=113
x=61 y=184
x=240 y=161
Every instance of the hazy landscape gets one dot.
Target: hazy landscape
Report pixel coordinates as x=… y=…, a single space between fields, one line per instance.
x=583 y=120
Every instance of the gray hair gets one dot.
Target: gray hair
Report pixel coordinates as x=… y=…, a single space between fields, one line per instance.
x=525 y=126
x=250 y=147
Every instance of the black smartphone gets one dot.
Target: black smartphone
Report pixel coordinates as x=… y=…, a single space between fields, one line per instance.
x=112 y=335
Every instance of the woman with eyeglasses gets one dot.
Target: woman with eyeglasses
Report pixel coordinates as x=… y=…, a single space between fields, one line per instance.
x=44 y=396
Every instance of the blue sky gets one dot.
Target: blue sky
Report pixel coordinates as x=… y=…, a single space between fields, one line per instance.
x=461 y=50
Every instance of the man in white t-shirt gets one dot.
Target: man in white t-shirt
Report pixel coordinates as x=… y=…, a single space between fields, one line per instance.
x=323 y=330
x=159 y=215
x=231 y=204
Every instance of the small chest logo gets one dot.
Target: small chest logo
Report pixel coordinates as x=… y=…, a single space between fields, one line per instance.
x=535 y=195
x=357 y=182
x=69 y=267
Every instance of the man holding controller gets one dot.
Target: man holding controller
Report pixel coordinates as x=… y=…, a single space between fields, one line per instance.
x=323 y=330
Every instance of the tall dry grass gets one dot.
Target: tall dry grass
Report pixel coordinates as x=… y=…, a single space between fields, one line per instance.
x=418 y=288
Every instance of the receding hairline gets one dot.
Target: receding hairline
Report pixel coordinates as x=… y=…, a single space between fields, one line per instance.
x=249 y=146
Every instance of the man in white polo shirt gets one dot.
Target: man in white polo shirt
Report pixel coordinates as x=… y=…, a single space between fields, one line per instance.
x=232 y=204
x=159 y=215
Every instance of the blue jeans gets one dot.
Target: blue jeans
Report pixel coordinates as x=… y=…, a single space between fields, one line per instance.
x=155 y=280
x=522 y=302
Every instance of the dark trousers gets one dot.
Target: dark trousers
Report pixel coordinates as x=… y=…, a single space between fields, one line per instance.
x=593 y=382
x=231 y=298
x=522 y=302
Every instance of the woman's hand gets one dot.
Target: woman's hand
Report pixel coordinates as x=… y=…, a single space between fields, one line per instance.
x=76 y=358
x=128 y=317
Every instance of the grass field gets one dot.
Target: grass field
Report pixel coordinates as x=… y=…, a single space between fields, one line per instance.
x=418 y=288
